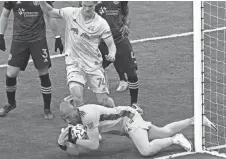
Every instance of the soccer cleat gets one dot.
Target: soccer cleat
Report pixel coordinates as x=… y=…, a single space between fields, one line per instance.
x=6 y=109
x=123 y=85
x=179 y=139
x=208 y=123
x=137 y=108
x=48 y=115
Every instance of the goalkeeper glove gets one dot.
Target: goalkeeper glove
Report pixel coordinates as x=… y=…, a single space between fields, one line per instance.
x=63 y=137
x=2 y=42
x=58 y=44
x=70 y=139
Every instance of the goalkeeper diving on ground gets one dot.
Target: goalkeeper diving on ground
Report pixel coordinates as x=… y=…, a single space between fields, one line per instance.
x=148 y=138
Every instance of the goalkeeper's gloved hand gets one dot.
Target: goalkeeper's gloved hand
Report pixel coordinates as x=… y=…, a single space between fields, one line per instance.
x=63 y=137
x=71 y=139
x=58 y=44
x=2 y=42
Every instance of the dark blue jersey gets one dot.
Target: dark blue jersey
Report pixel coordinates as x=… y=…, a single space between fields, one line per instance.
x=113 y=12
x=29 y=23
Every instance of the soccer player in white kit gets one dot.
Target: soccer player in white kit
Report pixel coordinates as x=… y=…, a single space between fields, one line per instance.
x=83 y=33
x=148 y=138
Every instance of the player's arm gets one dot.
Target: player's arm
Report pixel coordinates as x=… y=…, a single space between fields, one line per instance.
x=56 y=31
x=93 y=141
x=49 y=10
x=126 y=18
x=125 y=12
x=4 y=22
x=111 y=48
x=109 y=41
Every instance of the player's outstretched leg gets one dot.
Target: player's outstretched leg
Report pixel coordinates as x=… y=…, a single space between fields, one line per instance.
x=175 y=127
x=146 y=148
x=11 y=85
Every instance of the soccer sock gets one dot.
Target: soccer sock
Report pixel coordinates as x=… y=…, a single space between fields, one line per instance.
x=133 y=88
x=46 y=90
x=11 y=89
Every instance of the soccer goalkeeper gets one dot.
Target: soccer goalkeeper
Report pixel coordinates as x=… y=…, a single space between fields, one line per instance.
x=148 y=138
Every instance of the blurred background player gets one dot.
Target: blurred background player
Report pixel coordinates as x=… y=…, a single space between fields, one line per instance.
x=29 y=38
x=148 y=138
x=116 y=13
x=84 y=30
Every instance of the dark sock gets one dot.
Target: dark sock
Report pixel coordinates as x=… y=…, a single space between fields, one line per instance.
x=46 y=90
x=133 y=88
x=11 y=89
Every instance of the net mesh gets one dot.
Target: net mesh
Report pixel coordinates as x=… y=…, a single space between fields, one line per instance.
x=214 y=59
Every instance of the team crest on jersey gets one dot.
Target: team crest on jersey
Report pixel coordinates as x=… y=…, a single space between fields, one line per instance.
x=21 y=11
x=116 y=2
x=36 y=3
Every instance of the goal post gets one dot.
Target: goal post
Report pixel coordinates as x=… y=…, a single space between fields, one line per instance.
x=197 y=10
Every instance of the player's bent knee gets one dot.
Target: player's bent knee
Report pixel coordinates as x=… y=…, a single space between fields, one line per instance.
x=105 y=100
x=146 y=153
x=76 y=90
x=12 y=71
x=132 y=74
x=43 y=71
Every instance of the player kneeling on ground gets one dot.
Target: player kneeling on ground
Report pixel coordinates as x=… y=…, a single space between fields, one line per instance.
x=148 y=138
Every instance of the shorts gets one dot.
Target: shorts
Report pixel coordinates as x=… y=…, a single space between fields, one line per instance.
x=125 y=58
x=20 y=53
x=130 y=125
x=96 y=79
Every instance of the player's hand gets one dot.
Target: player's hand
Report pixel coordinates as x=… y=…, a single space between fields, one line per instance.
x=110 y=57
x=71 y=139
x=63 y=137
x=59 y=45
x=2 y=42
x=125 y=30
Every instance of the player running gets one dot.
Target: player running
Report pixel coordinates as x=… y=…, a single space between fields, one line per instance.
x=116 y=13
x=29 y=38
x=148 y=138
x=84 y=30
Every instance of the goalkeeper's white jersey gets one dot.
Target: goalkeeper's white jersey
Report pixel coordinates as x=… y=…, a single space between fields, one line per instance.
x=82 y=38
x=111 y=119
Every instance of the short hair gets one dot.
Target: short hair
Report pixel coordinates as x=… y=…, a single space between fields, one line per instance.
x=65 y=108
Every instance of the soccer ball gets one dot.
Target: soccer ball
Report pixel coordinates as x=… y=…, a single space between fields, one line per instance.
x=78 y=131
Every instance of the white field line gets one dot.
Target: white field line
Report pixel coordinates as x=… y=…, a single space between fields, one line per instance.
x=132 y=41
x=145 y=40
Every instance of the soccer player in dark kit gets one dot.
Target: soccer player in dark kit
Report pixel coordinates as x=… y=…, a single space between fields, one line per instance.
x=29 y=38
x=116 y=13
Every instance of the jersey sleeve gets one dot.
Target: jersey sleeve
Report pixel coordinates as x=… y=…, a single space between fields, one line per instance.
x=106 y=31
x=8 y=5
x=67 y=12
x=125 y=8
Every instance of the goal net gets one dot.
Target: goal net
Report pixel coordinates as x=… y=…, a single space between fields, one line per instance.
x=214 y=72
